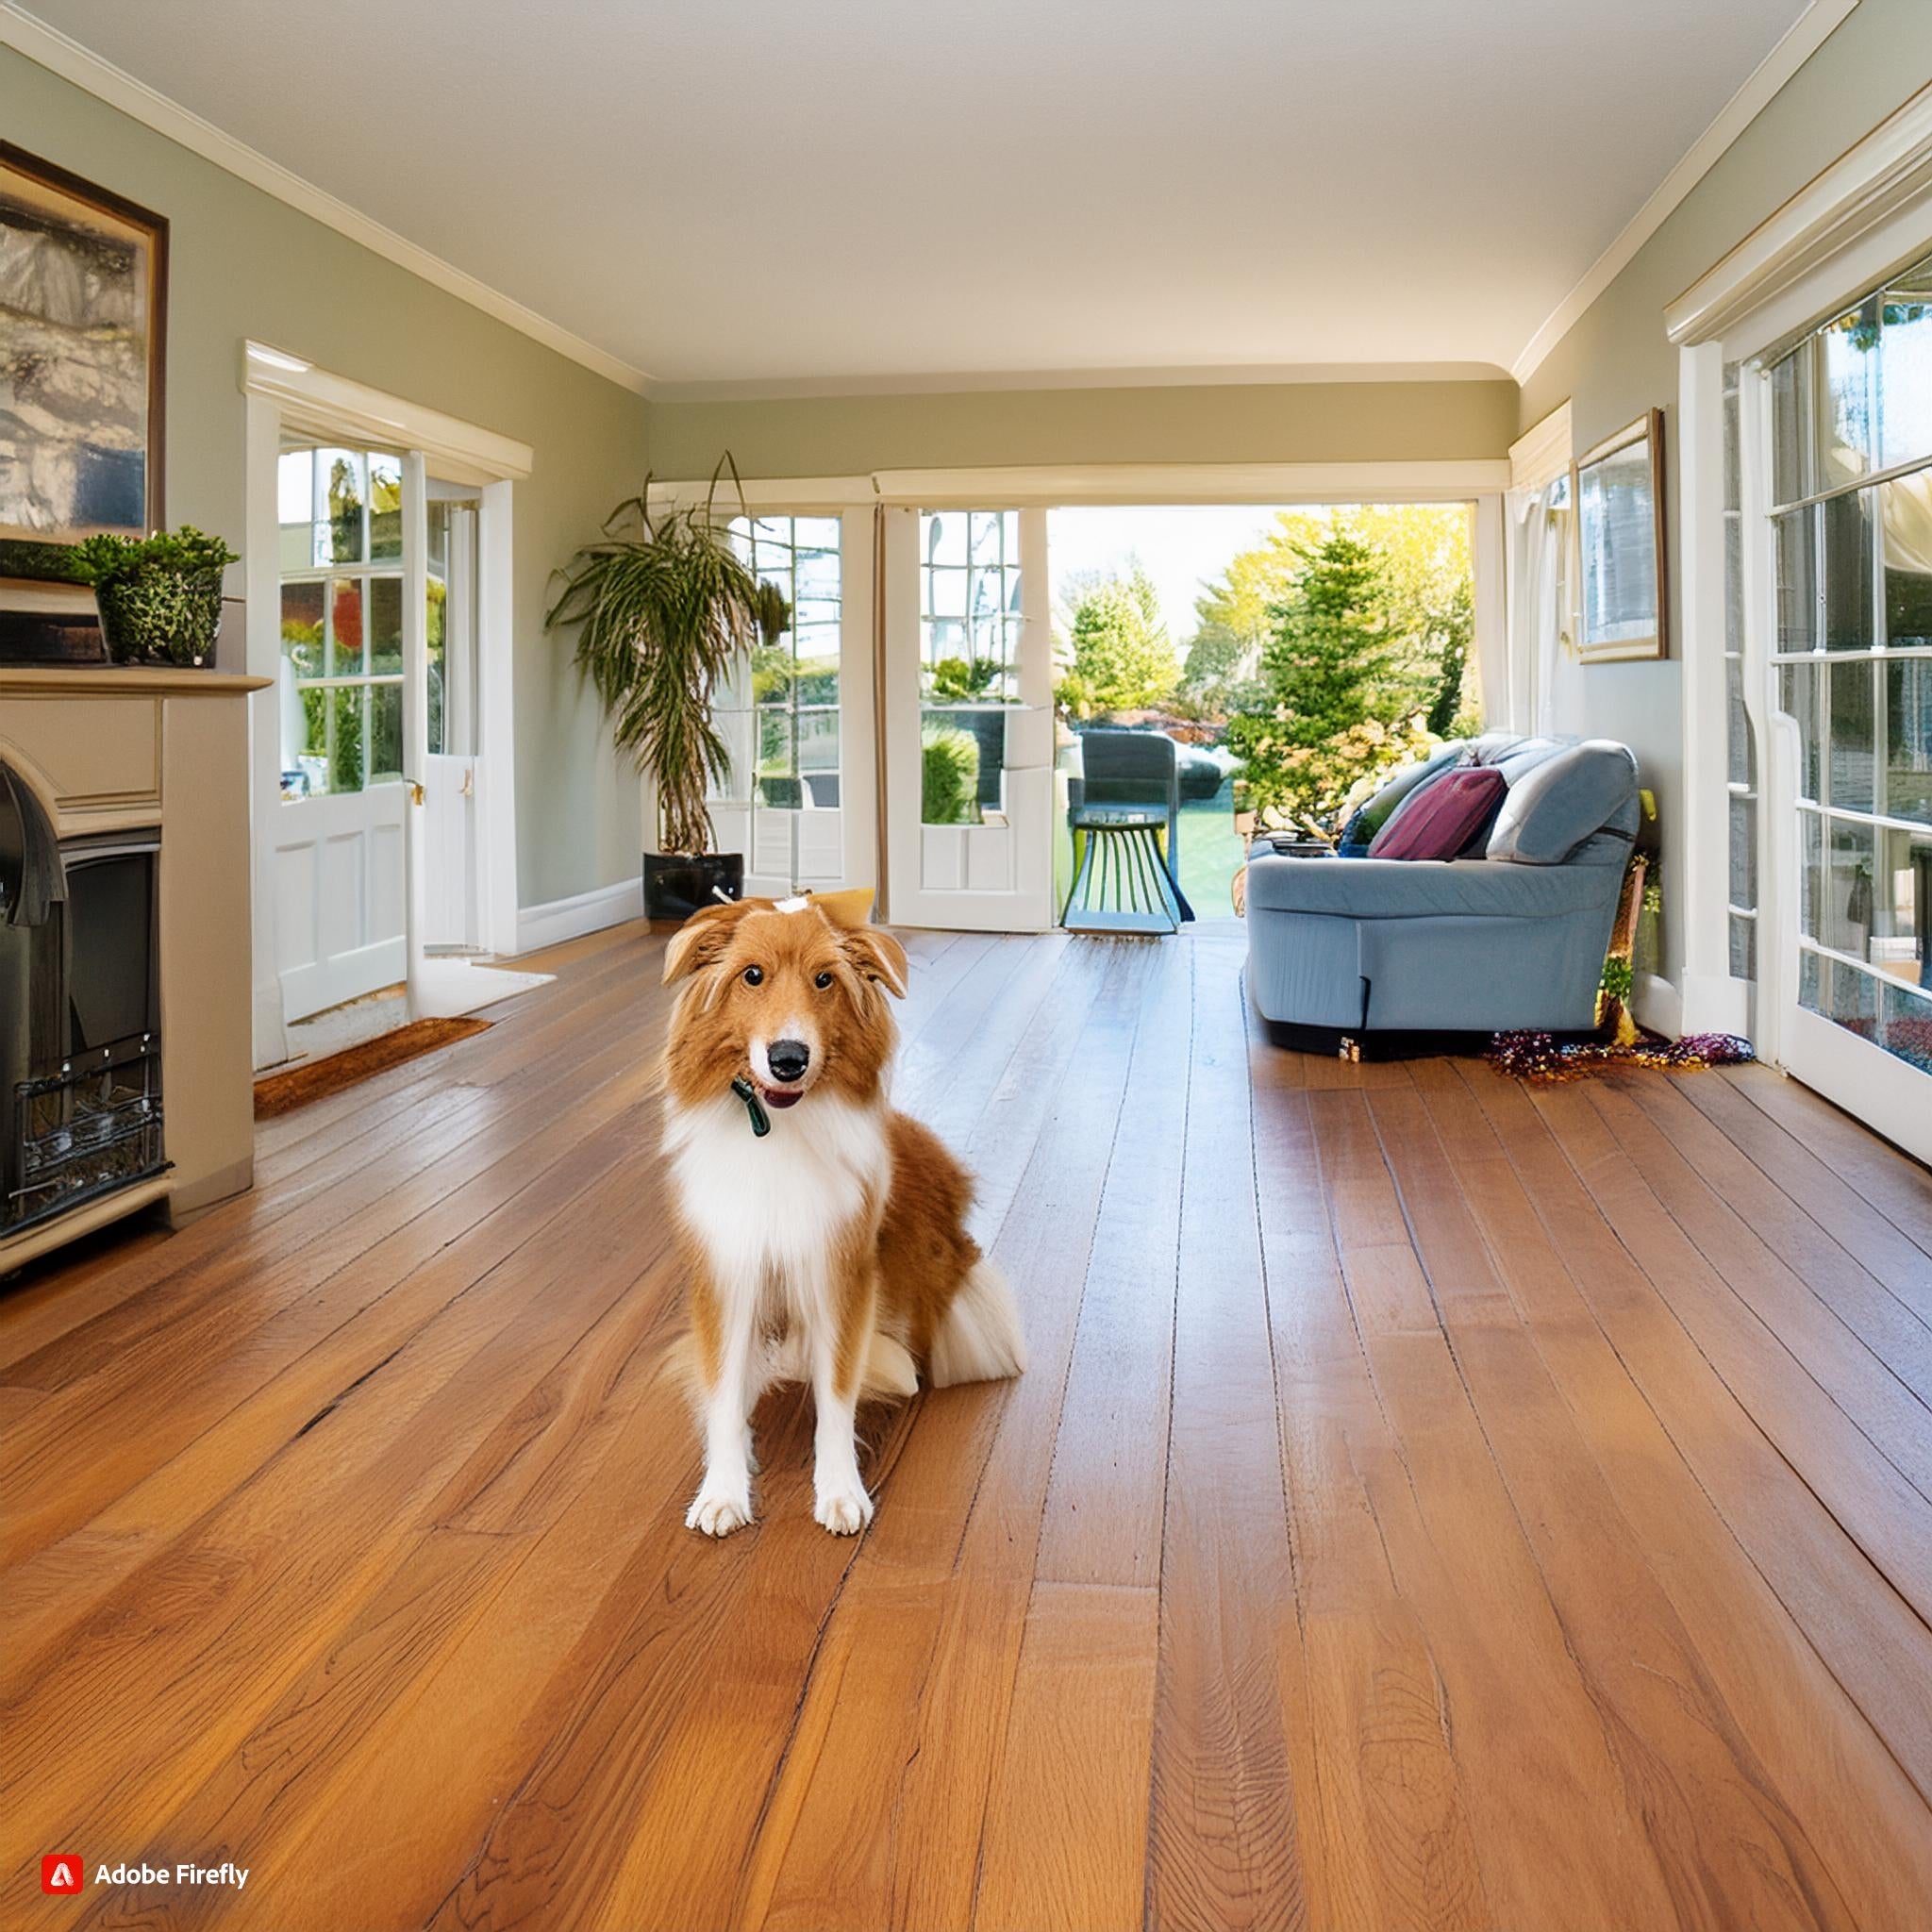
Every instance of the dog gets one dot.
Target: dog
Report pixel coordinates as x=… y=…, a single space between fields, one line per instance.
x=823 y=1233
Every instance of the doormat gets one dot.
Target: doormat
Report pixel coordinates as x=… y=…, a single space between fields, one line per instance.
x=317 y=1079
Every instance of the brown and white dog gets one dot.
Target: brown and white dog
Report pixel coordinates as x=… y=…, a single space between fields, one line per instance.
x=831 y=1246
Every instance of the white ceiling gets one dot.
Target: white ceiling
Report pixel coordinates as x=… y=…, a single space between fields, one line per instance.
x=777 y=190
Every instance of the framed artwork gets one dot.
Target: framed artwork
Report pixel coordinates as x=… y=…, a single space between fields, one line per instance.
x=1618 y=490
x=83 y=345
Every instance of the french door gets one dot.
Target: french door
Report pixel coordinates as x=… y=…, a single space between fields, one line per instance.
x=968 y=719
x=799 y=795
x=1843 y=467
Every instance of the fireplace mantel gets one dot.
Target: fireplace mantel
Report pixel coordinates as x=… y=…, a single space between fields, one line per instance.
x=97 y=680
x=119 y=748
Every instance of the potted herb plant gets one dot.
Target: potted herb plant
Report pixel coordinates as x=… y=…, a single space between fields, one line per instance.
x=664 y=605
x=159 y=597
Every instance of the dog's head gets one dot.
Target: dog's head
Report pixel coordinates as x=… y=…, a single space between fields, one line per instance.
x=778 y=994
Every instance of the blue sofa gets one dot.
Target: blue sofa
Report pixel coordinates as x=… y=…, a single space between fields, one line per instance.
x=1404 y=954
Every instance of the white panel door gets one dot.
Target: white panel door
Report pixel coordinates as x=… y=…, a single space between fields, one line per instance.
x=799 y=800
x=451 y=896
x=336 y=834
x=968 y=719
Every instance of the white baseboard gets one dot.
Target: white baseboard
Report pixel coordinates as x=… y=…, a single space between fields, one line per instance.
x=1655 y=1002
x=558 y=920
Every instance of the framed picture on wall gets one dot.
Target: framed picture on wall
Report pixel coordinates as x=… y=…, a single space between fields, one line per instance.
x=83 y=294
x=1618 y=489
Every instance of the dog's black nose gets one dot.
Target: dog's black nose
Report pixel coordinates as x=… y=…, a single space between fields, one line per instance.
x=789 y=1058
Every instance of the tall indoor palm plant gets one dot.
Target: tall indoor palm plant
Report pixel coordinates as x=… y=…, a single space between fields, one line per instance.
x=663 y=604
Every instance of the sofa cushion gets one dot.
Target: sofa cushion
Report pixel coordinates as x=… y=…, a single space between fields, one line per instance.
x=1421 y=889
x=1382 y=804
x=1443 y=818
x=1561 y=800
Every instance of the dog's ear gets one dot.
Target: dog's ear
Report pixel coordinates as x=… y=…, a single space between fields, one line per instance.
x=702 y=939
x=877 y=956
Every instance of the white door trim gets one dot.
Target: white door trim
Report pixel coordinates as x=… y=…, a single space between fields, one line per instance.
x=313 y=400
x=1069 y=486
x=286 y=392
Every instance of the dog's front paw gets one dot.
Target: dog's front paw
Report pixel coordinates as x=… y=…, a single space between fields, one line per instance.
x=844 y=1509
x=718 y=1512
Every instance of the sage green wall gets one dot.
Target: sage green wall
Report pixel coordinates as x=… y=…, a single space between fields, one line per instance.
x=242 y=264
x=1273 y=423
x=1616 y=362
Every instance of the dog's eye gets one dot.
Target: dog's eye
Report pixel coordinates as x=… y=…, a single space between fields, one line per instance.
x=823 y=980
x=754 y=975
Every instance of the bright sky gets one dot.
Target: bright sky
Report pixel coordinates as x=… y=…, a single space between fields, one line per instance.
x=1180 y=548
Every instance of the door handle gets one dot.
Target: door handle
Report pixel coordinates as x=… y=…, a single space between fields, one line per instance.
x=469 y=790
x=415 y=792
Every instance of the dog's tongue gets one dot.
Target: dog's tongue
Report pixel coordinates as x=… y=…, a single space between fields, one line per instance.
x=772 y=1099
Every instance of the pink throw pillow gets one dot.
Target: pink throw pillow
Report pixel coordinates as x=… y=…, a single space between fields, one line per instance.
x=1442 y=818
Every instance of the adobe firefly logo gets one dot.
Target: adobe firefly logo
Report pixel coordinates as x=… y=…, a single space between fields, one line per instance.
x=61 y=1874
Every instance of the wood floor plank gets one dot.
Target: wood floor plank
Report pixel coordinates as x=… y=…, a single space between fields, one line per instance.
x=1433 y=1503
x=913 y=1747
x=1387 y=1841
x=1725 y=1838
x=1871 y=1638
x=1889 y=1519
x=1067 y=1819
x=1867 y=1357
x=1900 y=1188
x=1800 y=1176
x=1816 y=1745
x=1223 y=1837
x=1108 y=1489
x=1528 y=1736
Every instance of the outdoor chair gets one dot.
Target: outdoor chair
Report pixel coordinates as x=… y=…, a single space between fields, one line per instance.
x=1123 y=811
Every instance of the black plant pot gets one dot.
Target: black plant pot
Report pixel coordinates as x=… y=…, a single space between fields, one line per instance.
x=676 y=885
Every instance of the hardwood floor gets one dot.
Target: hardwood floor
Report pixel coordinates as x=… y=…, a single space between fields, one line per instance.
x=1433 y=1503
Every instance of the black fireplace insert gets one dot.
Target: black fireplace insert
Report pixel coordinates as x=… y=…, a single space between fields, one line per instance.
x=81 y=1067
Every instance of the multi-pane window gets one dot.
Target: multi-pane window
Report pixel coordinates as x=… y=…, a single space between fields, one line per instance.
x=969 y=622
x=341 y=512
x=793 y=695
x=1852 y=527
x=969 y=604
x=1741 y=773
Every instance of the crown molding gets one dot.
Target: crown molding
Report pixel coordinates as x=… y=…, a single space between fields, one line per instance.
x=1802 y=38
x=48 y=48
x=1883 y=176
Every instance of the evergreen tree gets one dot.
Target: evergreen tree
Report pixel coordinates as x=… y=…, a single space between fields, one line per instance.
x=1121 y=656
x=1331 y=661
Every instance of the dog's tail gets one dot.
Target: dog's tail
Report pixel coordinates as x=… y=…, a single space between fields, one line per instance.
x=979 y=1338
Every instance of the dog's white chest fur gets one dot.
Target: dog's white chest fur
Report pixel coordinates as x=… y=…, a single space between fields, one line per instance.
x=773 y=1204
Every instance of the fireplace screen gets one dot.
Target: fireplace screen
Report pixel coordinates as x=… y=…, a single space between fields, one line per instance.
x=80 y=1070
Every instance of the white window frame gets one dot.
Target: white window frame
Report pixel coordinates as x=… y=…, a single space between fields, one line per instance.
x=1867 y=216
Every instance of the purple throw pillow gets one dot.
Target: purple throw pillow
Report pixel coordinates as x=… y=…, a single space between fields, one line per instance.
x=1442 y=818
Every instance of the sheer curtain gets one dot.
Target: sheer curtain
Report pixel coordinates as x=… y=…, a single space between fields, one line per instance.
x=1538 y=509
x=1536 y=526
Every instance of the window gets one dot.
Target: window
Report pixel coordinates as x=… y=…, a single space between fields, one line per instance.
x=1740 y=768
x=969 y=607
x=1852 y=535
x=970 y=622
x=794 y=682
x=341 y=512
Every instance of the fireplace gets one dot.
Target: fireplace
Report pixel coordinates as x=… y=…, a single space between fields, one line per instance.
x=81 y=1066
